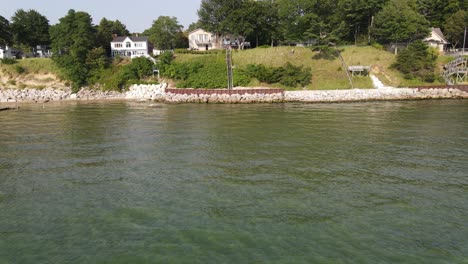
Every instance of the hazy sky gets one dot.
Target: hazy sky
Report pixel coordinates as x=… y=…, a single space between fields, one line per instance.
x=137 y=15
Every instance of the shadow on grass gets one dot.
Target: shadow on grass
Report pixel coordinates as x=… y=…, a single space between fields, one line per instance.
x=326 y=53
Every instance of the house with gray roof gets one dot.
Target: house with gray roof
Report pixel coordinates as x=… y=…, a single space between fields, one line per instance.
x=130 y=46
x=437 y=39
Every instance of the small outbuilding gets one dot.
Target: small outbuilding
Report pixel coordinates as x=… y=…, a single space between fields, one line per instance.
x=437 y=40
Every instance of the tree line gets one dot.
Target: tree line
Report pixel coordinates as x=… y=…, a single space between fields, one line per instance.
x=81 y=49
x=265 y=22
x=28 y=29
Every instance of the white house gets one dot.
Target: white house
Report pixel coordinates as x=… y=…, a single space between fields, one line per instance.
x=436 y=39
x=8 y=52
x=43 y=51
x=130 y=47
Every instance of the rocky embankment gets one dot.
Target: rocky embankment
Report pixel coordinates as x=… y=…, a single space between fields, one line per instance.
x=47 y=95
x=372 y=95
x=225 y=98
x=158 y=93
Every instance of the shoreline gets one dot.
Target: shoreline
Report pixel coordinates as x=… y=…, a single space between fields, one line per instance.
x=161 y=93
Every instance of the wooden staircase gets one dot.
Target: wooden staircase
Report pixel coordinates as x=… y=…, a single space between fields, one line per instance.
x=456 y=71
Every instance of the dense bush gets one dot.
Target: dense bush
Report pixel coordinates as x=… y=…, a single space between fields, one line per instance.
x=417 y=61
x=19 y=69
x=211 y=75
x=8 y=61
x=288 y=75
x=199 y=52
x=164 y=62
x=182 y=71
x=117 y=77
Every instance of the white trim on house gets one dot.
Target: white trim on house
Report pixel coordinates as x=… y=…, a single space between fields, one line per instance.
x=8 y=52
x=130 y=47
x=436 y=39
x=200 y=39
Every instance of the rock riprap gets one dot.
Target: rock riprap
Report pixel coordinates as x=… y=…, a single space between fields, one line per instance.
x=158 y=92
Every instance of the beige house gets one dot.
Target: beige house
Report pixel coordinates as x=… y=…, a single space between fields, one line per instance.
x=200 y=39
x=437 y=39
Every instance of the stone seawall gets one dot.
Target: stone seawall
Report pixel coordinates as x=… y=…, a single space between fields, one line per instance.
x=237 y=96
x=135 y=92
x=330 y=96
x=372 y=95
x=47 y=95
x=163 y=94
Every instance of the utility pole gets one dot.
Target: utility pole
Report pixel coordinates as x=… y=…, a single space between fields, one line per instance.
x=464 y=41
x=229 y=68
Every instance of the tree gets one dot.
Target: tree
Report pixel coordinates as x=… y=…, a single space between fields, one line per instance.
x=30 y=28
x=399 y=22
x=263 y=21
x=72 y=39
x=5 y=31
x=214 y=15
x=193 y=26
x=105 y=31
x=438 y=11
x=358 y=15
x=306 y=20
x=455 y=27
x=166 y=33
x=417 y=62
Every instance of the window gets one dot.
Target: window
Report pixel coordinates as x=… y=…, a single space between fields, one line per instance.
x=117 y=45
x=128 y=45
x=138 y=45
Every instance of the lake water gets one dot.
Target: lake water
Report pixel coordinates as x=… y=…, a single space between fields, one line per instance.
x=127 y=182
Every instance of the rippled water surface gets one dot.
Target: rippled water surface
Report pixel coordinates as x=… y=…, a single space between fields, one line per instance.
x=294 y=183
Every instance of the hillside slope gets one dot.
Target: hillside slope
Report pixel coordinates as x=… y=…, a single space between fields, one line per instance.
x=35 y=73
x=327 y=73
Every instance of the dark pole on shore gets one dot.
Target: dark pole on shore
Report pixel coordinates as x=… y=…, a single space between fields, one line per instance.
x=464 y=41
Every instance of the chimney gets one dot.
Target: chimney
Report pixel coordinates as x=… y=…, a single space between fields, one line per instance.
x=114 y=35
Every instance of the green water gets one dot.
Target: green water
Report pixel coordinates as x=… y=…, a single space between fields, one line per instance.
x=295 y=183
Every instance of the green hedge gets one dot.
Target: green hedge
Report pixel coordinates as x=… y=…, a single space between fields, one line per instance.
x=288 y=75
x=212 y=75
x=199 y=52
x=8 y=61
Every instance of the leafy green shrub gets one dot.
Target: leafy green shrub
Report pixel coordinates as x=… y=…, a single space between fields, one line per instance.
x=199 y=52
x=213 y=75
x=288 y=75
x=19 y=69
x=117 y=77
x=417 y=62
x=378 y=46
x=182 y=71
x=9 y=61
x=325 y=52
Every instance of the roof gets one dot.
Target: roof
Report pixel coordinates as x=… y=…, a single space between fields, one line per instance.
x=197 y=30
x=134 y=39
x=439 y=34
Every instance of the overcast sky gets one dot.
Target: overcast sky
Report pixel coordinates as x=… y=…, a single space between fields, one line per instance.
x=137 y=15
